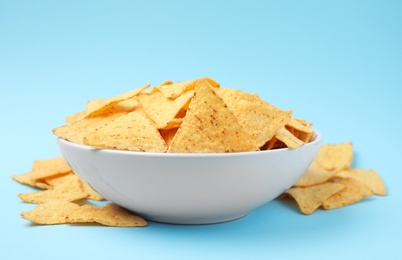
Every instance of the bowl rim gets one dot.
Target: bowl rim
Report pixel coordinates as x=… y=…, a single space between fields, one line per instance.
x=318 y=137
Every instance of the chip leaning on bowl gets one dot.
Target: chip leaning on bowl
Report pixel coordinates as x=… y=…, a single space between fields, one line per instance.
x=195 y=116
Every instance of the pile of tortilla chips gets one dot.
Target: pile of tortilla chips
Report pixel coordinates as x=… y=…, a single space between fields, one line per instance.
x=63 y=198
x=196 y=116
x=330 y=182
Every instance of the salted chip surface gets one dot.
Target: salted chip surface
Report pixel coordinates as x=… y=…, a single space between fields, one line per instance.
x=172 y=91
x=353 y=192
x=210 y=126
x=288 y=138
x=163 y=110
x=335 y=156
x=50 y=213
x=259 y=119
x=98 y=106
x=369 y=177
x=315 y=174
x=133 y=132
x=108 y=215
x=310 y=198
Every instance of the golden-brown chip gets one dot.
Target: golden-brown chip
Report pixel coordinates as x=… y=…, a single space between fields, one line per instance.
x=133 y=132
x=353 y=192
x=108 y=215
x=162 y=110
x=172 y=91
x=288 y=138
x=75 y=132
x=314 y=175
x=67 y=188
x=98 y=106
x=310 y=198
x=50 y=213
x=369 y=177
x=210 y=126
x=259 y=119
x=42 y=169
x=335 y=156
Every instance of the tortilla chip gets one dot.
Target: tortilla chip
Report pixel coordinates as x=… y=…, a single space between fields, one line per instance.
x=314 y=175
x=162 y=110
x=75 y=132
x=288 y=138
x=310 y=198
x=67 y=188
x=369 y=177
x=172 y=91
x=108 y=215
x=353 y=192
x=98 y=106
x=42 y=169
x=259 y=119
x=133 y=132
x=335 y=156
x=50 y=213
x=210 y=126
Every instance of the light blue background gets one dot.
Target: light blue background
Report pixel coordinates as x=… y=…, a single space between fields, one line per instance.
x=335 y=63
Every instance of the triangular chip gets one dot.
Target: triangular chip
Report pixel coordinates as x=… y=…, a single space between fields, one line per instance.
x=42 y=169
x=163 y=110
x=98 y=106
x=133 y=132
x=259 y=119
x=50 y=213
x=315 y=174
x=172 y=91
x=335 y=156
x=353 y=192
x=369 y=177
x=210 y=126
x=288 y=138
x=311 y=198
x=66 y=188
x=108 y=215
x=75 y=132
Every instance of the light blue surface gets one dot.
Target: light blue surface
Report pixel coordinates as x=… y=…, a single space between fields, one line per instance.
x=335 y=63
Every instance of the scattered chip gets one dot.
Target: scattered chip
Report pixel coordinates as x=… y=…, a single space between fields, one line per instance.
x=314 y=175
x=353 y=192
x=50 y=213
x=331 y=170
x=335 y=156
x=369 y=177
x=310 y=198
x=42 y=169
x=69 y=188
x=108 y=215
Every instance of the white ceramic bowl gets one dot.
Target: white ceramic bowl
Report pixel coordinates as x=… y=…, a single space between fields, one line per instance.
x=189 y=188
